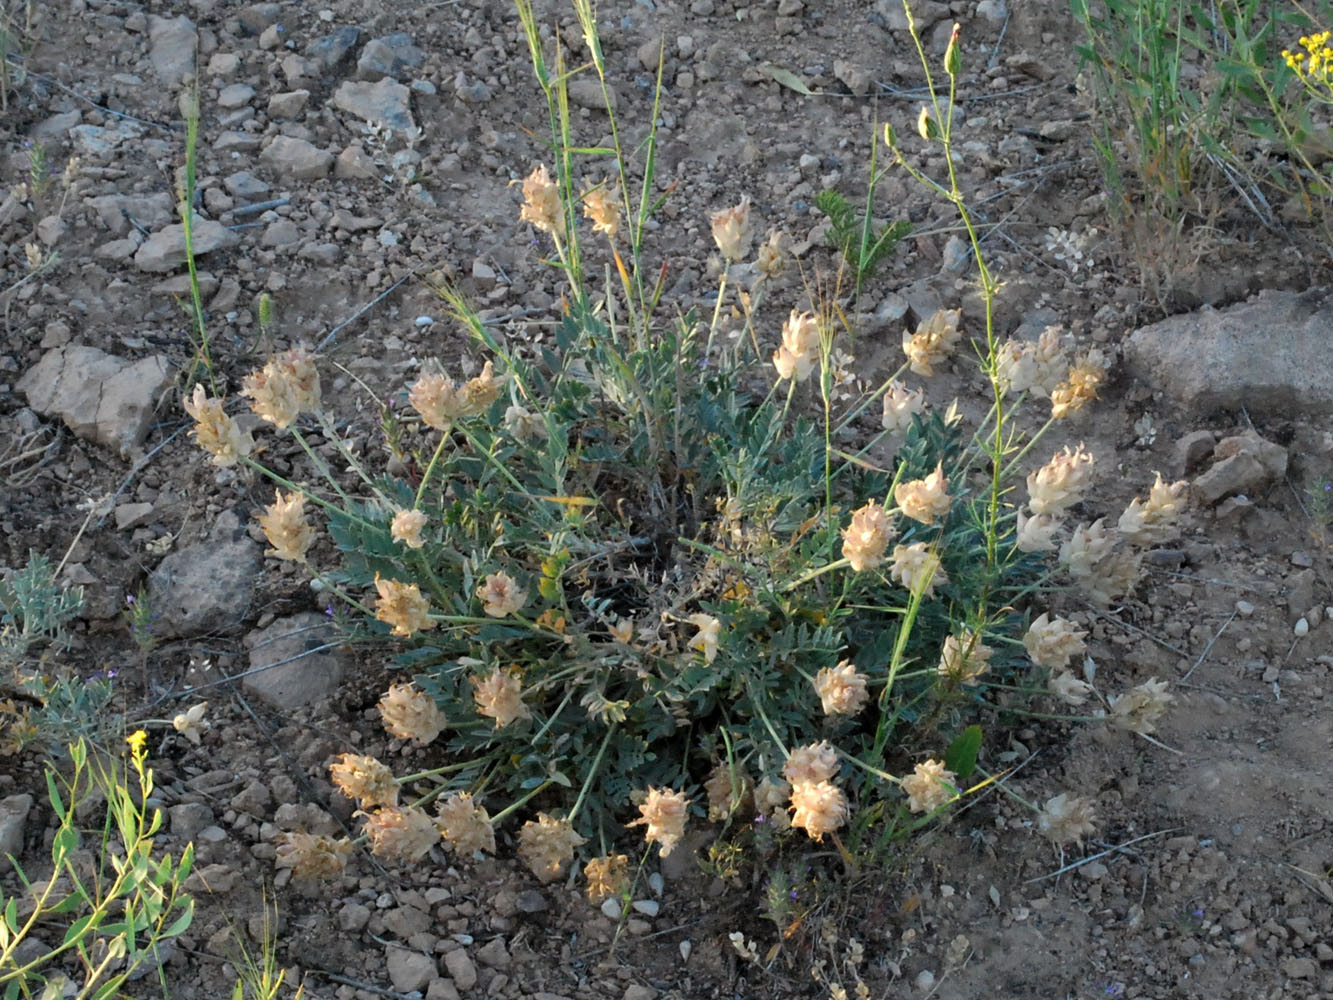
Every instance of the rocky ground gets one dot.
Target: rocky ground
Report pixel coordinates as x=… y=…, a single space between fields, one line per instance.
x=345 y=153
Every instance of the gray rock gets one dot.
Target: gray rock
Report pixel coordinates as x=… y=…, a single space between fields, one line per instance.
x=289 y=104
x=224 y=64
x=297 y=158
x=353 y=916
x=14 y=811
x=332 y=49
x=165 y=249
x=385 y=102
x=289 y=663
x=461 y=969
x=408 y=970
x=207 y=587
x=994 y=11
x=354 y=162
x=258 y=16
x=244 y=184
x=297 y=68
x=100 y=397
x=178 y=285
x=495 y=954
x=854 y=76
x=235 y=142
x=1268 y=354
x=116 y=211
x=171 y=46
x=390 y=56
x=254 y=799
x=132 y=515
x=188 y=818
x=235 y=95
x=924 y=12
x=56 y=126
x=96 y=141
x=1244 y=463
x=586 y=92
x=404 y=921
x=283 y=233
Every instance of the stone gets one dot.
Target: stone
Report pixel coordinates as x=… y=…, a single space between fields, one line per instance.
x=188 y=818
x=1191 y=450
x=97 y=141
x=165 y=249
x=215 y=878
x=288 y=104
x=355 y=163
x=254 y=799
x=56 y=126
x=404 y=921
x=390 y=56
x=385 y=102
x=925 y=13
x=235 y=142
x=255 y=18
x=132 y=515
x=171 y=46
x=235 y=95
x=99 y=396
x=1300 y=967
x=353 y=916
x=408 y=970
x=586 y=92
x=289 y=662
x=14 y=811
x=271 y=37
x=331 y=50
x=495 y=954
x=283 y=233
x=297 y=158
x=224 y=65
x=1238 y=474
x=531 y=901
x=994 y=11
x=461 y=969
x=244 y=184
x=178 y=285
x=1268 y=354
x=207 y=587
x=116 y=211
x=1273 y=457
x=638 y=991
x=442 y=989
x=854 y=76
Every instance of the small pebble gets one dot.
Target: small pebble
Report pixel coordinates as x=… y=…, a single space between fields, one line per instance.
x=685 y=949
x=611 y=908
x=648 y=907
x=1302 y=626
x=1244 y=609
x=656 y=884
x=425 y=320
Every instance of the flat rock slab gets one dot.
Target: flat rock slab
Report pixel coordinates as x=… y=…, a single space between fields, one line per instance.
x=207 y=588
x=297 y=158
x=1269 y=355
x=165 y=249
x=291 y=663
x=384 y=103
x=99 y=396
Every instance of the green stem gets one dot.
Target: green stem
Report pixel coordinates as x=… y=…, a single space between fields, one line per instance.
x=592 y=772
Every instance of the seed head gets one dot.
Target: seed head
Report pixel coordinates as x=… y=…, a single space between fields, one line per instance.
x=400 y=834
x=917 y=566
x=365 y=780
x=408 y=713
x=929 y=786
x=1053 y=642
x=1066 y=818
x=465 y=825
x=285 y=527
x=866 y=538
x=924 y=499
x=541 y=203
x=817 y=807
x=214 y=431
x=841 y=689
x=814 y=763
x=406 y=528
x=1061 y=482
x=663 y=812
x=402 y=606
x=731 y=230
x=499 y=696
x=547 y=845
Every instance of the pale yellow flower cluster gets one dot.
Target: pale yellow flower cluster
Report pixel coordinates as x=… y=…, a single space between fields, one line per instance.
x=731 y=230
x=705 y=640
x=465 y=825
x=772 y=256
x=866 y=538
x=402 y=606
x=841 y=689
x=1155 y=521
x=441 y=403
x=547 y=846
x=1070 y=689
x=964 y=658
x=663 y=812
x=929 y=786
x=406 y=528
x=499 y=696
x=933 y=342
x=400 y=834
x=1100 y=562
x=312 y=857
x=191 y=723
x=799 y=353
x=924 y=499
x=1080 y=387
x=600 y=205
x=541 y=202
x=285 y=527
x=728 y=789
x=817 y=807
x=500 y=595
x=1061 y=482
x=815 y=762
x=364 y=780
x=770 y=800
x=607 y=876
x=1138 y=709
x=284 y=388
x=1037 y=533
x=214 y=431
x=408 y=713
x=1053 y=642
x=1066 y=818
x=901 y=404
x=524 y=425
x=917 y=567
x=1038 y=367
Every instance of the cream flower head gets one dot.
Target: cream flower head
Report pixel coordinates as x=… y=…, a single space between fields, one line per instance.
x=1099 y=562
x=312 y=857
x=817 y=807
x=1053 y=642
x=866 y=538
x=599 y=205
x=796 y=358
x=364 y=780
x=499 y=696
x=770 y=800
x=1066 y=818
x=705 y=640
x=663 y=812
x=402 y=606
x=547 y=846
x=1037 y=532
x=813 y=763
x=408 y=713
x=933 y=342
x=917 y=566
x=406 y=528
x=214 y=431
x=1061 y=482
x=731 y=230
x=841 y=689
x=500 y=595
x=435 y=397
x=929 y=786
x=1155 y=521
x=273 y=395
x=1080 y=387
x=191 y=724
x=400 y=834
x=464 y=825
x=964 y=658
x=285 y=527
x=1138 y=709
x=1016 y=368
x=901 y=404
x=924 y=499
x=541 y=202
x=607 y=876
x=1069 y=689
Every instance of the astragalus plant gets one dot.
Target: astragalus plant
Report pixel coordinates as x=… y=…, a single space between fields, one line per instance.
x=647 y=568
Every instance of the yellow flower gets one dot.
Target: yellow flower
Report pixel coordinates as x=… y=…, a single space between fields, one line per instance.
x=285 y=527
x=137 y=741
x=924 y=499
x=866 y=537
x=599 y=205
x=841 y=689
x=500 y=595
x=547 y=845
x=929 y=786
x=731 y=230
x=607 y=876
x=541 y=203
x=410 y=714
x=365 y=780
x=406 y=528
x=663 y=812
x=817 y=807
x=191 y=724
x=499 y=696
x=402 y=606
x=705 y=640
x=214 y=431
x=465 y=825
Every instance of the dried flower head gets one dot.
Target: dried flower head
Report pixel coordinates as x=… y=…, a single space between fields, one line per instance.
x=924 y=499
x=841 y=689
x=312 y=857
x=728 y=789
x=901 y=404
x=400 y=834
x=1080 y=387
x=772 y=256
x=524 y=424
x=499 y=696
x=964 y=658
x=1099 y=562
x=406 y=528
x=599 y=205
x=813 y=763
x=33 y=253
x=796 y=358
x=731 y=230
x=1053 y=642
x=705 y=640
x=1138 y=709
x=1052 y=361
x=933 y=342
x=285 y=527
x=817 y=807
x=770 y=802
x=408 y=713
x=298 y=367
x=541 y=202
x=866 y=538
x=464 y=825
x=402 y=606
x=917 y=567
x=929 y=786
x=1061 y=482
x=1016 y=368
x=1069 y=689
x=1066 y=818
x=272 y=395
x=364 y=780
x=547 y=845
x=191 y=724
x=435 y=397
x=607 y=876
x=501 y=596
x=663 y=811
x=1155 y=521
x=214 y=431
x=1037 y=533
x=479 y=392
